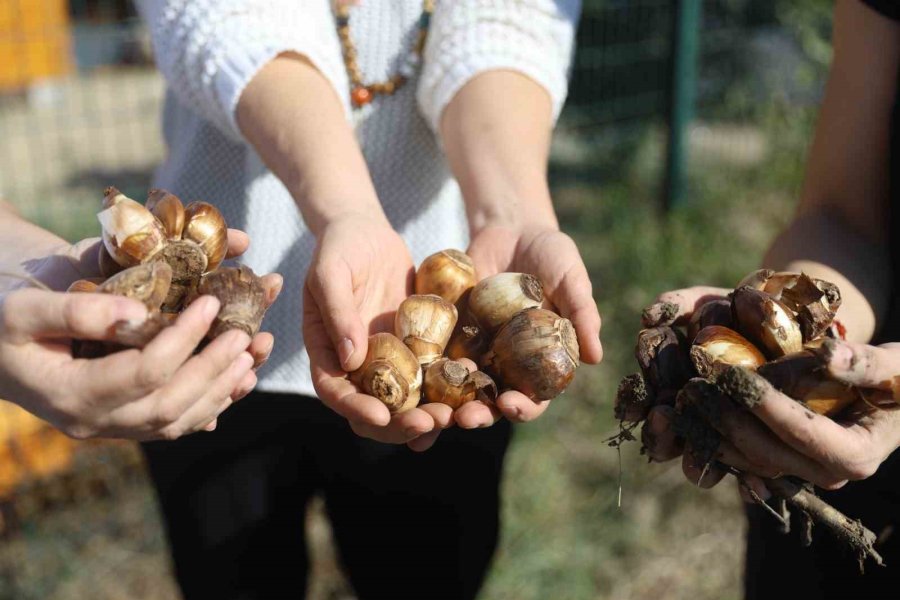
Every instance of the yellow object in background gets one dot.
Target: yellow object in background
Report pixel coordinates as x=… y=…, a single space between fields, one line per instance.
x=35 y=42
x=29 y=448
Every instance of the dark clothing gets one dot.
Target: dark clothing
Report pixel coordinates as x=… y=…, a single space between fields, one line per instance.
x=407 y=525
x=779 y=566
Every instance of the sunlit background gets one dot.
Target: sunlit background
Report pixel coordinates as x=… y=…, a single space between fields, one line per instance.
x=678 y=156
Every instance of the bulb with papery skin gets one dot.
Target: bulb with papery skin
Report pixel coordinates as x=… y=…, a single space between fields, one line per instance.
x=494 y=300
x=536 y=353
x=716 y=347
x=205 y=226
x=424 y=323
x=766 y=322
x=130 y=232
x=447 y=382
x=448 y=274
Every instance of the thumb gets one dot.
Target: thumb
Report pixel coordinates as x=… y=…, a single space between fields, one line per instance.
x=31 y=313
x=331 y=286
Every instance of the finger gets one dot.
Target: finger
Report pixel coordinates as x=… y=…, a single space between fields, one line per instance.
x=440 y=413
x=769 y=454
x=206 y=379
x=862 y=365
x=815 y=436
x=245 y=386
x=216 y=399
x=329 y=379
x=238 y=242
x=211 y=426
x=261 y=348
x=476 y=414
x=192 y=383
x=132 y=374
x=573 y=296
x=32 y=313
x=676 y=307
x=702 y=474
x=331 y=287
x=658 y=435
x=272 y=283
x=403 y=427
x=424 y=441
x=519 y=408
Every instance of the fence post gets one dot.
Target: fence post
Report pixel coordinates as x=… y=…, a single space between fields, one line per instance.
x=681 y=100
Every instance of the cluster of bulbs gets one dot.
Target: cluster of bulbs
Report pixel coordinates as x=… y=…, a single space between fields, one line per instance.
x=781 y=326
x=165 y=255
x=497 y=323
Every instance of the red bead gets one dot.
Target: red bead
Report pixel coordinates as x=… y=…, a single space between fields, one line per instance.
x=360 y=96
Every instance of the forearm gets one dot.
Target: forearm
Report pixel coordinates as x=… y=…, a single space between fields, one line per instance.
x=20 y=243
x=291 y=115
x=824 y=246
x=496 y=133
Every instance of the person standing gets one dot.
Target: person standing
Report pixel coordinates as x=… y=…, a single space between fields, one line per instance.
x=846 y=232
x=351 y=141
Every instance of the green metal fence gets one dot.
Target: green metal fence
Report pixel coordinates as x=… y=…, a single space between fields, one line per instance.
x=667 y=62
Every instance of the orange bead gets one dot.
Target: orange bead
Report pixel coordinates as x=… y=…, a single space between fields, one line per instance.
x=360 y=96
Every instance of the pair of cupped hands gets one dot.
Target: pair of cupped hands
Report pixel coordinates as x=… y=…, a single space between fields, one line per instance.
x=777 y=436
x=360 y=273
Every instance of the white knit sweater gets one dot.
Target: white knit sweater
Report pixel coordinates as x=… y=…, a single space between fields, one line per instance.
x=208 y=50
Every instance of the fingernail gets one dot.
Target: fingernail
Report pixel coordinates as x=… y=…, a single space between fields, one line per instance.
x=274 y=291
x=130 y=310
x=244 y=362
x=345 y=351
x=212 y=425
x=210 y=307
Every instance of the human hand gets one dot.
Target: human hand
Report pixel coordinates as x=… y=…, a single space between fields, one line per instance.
x=767 y=434
x=76 y=395
x=553 y=258
x=360 y=274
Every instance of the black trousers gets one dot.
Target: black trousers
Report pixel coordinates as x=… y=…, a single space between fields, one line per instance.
x=407 y=525
x=778 y=566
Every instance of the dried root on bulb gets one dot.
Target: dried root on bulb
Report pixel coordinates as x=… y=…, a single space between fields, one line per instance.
x=390 y=372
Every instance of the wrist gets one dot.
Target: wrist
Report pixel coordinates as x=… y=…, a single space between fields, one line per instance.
x=513 y=210
x=362 y=217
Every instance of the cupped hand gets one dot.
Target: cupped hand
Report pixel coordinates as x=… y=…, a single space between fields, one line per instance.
x=359 y=275
x=553 y=257
x=172 y=391
x=768 y=434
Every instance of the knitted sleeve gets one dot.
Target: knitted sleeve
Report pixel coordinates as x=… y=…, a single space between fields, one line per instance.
x=209 y=50
x=468 y=37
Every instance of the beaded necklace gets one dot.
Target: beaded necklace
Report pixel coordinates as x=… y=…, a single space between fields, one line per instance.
x=361 y=93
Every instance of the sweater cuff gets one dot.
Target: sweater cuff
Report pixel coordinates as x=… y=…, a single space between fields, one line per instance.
x=470 y=39
x=246 y=50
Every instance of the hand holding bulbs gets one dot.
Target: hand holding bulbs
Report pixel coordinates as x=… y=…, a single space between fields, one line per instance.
x=497 y=323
